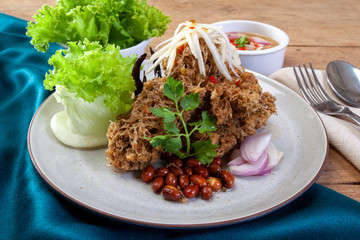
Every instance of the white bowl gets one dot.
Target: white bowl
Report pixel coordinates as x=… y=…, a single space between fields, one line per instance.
x=138 y=49
x=264 y=61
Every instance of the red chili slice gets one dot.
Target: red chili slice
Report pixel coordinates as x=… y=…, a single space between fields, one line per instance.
x=213 y=79
x=180 y=49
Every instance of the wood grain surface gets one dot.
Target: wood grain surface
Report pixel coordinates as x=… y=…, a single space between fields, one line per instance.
x=319 y=31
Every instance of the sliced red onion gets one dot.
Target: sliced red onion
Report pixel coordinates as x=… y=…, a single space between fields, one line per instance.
x=232 y=37
x=251 y=168
x=237 y=161
x=273 y=155
x=260 y=40
x=267 y=170
x=254 y=146
x=273 y=159
x=257 y=156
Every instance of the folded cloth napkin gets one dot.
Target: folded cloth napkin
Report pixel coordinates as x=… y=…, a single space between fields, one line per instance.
x=30 y=209
x=343 y=135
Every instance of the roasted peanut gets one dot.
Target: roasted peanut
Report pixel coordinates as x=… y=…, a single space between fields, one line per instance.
x=161 y=172
x=183 y=181
x=227 y=178
x=214 y=169
x=201 y=170
x=171 y=193
x=191 y=191
x=206 y=192
x=158 y=184
x=198 y=180
x=187 y=171
x=148 y=173
x=214 y=183
x=217 y=161
x=193 y=162
x=176 y=170
x=178 y=162
x=171 y=179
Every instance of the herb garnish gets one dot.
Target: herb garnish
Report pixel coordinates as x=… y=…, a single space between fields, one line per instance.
x=172 y=142
x=240 y=42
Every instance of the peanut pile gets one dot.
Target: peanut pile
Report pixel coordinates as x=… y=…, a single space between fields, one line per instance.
x=184 y=179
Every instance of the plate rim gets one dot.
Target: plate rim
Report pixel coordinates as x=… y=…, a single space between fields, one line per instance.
x=181 y=225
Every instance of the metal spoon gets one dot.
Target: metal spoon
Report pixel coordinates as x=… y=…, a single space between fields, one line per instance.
x=344 y=79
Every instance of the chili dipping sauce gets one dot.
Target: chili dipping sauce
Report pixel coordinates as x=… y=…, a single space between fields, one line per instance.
x=250 y=41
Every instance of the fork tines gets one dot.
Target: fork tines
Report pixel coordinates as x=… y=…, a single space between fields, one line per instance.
x=311 y=89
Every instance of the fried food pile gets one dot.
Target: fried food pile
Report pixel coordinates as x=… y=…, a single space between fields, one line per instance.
x=239 y=105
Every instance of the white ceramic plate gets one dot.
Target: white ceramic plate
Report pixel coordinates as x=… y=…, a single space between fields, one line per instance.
x=83 y=177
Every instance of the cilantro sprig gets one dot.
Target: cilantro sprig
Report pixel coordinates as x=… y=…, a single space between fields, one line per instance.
x=240 y=42
x=172 y=141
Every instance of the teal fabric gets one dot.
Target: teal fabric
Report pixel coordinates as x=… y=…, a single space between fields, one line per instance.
x=30 y=209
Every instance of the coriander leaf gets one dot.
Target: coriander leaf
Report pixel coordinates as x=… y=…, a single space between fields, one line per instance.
x=159 y=140
x=208 y=123
x=204 y=151
x=173 y=145
x=240 y=42
x=181 y=155
x=165 y=113
x=171 y=128
x=195 y=123
x=190 y=101
x=173 y=142
x=173 y=89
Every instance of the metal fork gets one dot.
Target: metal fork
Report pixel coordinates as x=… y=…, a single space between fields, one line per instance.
x=316 y=96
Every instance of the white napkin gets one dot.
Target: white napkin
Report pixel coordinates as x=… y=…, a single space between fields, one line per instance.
x=343 y=135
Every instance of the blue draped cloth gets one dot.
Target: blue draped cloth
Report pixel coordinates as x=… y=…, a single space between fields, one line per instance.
x=30 y=209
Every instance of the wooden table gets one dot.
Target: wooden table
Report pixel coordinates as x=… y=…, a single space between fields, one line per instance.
x=319 y=31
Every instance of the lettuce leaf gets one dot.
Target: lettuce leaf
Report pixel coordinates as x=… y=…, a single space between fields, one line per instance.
x=121 y=22
x=83 y=118
x=90 y=70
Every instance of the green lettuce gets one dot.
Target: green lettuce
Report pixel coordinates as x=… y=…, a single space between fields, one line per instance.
x=82 y=118
x=121 y=22
x=90 y=70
